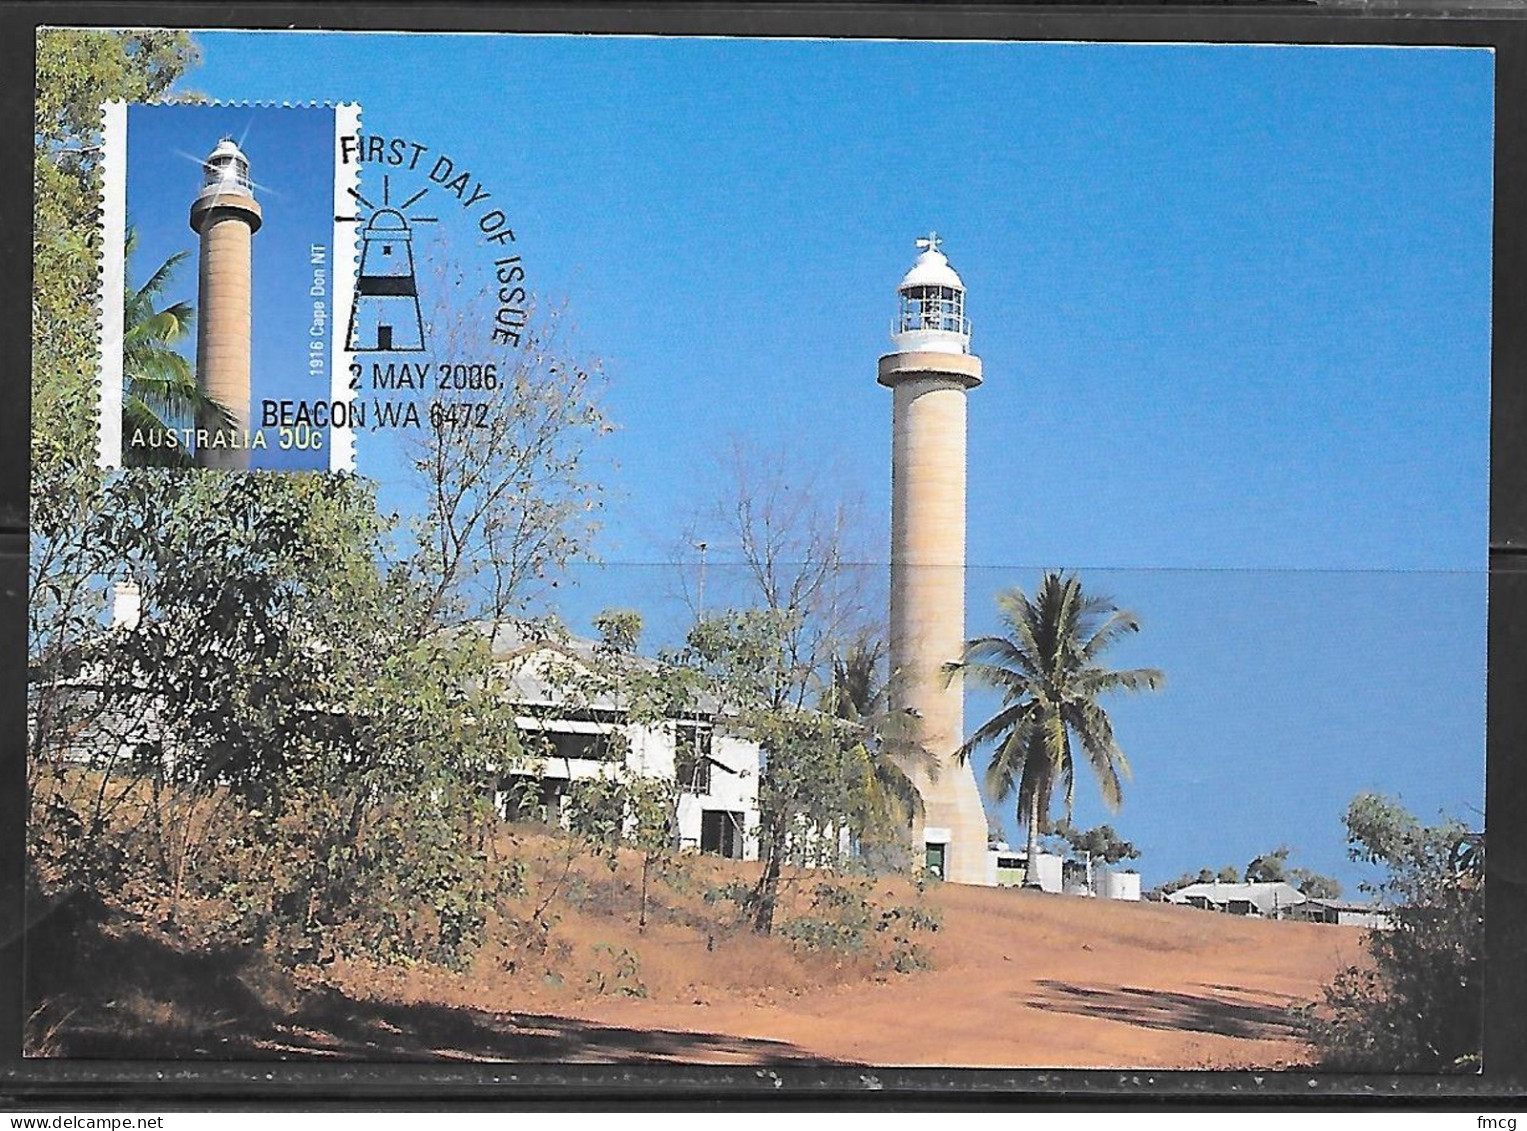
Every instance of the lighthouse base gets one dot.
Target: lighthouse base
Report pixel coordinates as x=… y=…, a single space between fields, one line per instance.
x=950 y=839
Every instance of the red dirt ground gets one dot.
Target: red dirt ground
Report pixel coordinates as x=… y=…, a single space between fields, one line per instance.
x=1018 y=979
x=1029 y=980
x=1021 y=979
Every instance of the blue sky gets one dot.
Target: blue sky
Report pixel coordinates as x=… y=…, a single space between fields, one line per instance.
x=1232 y=302
x=289 y=151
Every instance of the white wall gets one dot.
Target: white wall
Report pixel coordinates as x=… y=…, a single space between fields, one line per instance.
x=733 y=783
x=1048 y=868
x=733 y=788
x=1121 y=885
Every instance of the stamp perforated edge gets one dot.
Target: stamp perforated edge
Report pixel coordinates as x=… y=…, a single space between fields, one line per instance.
x=347 y=123
x=113 y=273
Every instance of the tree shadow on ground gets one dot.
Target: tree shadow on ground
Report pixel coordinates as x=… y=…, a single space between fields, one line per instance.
x=1228 y=1012
x=337 y=1025
x=99 y=986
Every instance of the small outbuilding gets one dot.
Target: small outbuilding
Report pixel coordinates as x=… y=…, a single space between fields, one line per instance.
x=1343 y=913
x=1007 y=868
x=1119 y=885
x=1264 y=900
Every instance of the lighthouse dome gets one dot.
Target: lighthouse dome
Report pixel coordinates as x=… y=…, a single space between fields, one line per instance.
x=388 y=224
x=931 y=305
x=931 y=269
x=226 y=171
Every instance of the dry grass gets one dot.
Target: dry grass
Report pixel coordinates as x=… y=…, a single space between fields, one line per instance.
x=107 y=981
x=1019 y=979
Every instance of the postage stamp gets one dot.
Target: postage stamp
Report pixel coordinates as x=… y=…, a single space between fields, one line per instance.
x=227 y=277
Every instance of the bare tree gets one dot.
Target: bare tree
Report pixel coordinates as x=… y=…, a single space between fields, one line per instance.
x=776 y=539
x=508 y=500
x=776 y=629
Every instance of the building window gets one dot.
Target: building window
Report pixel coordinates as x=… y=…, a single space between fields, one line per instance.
x=523 y=797
x=561 y=745
x=721 y=833
x=692 y=757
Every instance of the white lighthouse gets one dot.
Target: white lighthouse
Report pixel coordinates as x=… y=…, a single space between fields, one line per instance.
x=929 y=373
x=226 y=216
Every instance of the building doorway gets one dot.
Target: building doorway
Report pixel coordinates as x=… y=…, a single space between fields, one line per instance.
x=933 y=859
x=721 y=833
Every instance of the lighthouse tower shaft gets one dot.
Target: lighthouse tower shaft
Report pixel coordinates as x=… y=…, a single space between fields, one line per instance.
x=929 y=378
x=225 y=215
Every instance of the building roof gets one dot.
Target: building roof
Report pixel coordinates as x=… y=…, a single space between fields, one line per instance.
x=542 y=665
x=1265 y=897
x=1348 y=905
x=226 y=147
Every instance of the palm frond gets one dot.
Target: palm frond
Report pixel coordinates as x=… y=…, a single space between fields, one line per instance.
x=1099 y=681
x=160 y=279
x=1094 y=729
x=1012 y=682
x=1007 y=764
x=1112 y=629
x=159 y=327
x=1010 y=719
x=163 y=369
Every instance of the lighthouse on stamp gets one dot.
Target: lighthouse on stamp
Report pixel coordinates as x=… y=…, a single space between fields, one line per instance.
x=226 y=216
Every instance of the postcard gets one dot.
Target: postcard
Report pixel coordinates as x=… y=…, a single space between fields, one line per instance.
x=735 y=551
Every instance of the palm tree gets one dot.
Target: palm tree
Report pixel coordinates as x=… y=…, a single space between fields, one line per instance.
x=160 y=390
x=1048 y=671
x=858 y=695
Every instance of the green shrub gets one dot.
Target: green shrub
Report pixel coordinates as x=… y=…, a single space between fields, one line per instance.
x=616 y=971
x=1416 y=1005
x=845 y=919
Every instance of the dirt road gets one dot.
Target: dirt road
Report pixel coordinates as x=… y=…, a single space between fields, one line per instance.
x=1031 y=980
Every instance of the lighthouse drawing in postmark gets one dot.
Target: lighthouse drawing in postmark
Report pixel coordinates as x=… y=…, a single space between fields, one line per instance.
x=227 y=279
x=385 y=316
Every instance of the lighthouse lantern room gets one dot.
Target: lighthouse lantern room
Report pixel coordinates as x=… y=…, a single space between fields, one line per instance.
x=931 y=317
x=226 y=172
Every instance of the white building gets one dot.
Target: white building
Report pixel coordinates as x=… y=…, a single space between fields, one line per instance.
x=716 y=771
x=1057 y=875
x=578 y=724
x=1267 y=900
x=1118 y=884
x=1008 y=867
x=1343 y=912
